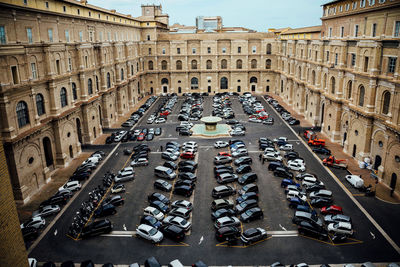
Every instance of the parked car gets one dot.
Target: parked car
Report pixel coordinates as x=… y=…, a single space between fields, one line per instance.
x=226 y=221
x=150 y=220
x=173 y=232
x=336 y=218
x=251 y=214
x=97 y=228
x=321 y=202
x=221 y=203
x=36 y=222
x=227 y=233
x=105 y=210
x=248 y=188
x=181 y=212
x=333 y=209
x=223 y=191
x=46 y=211
x=182 y=204
x=281 y=172
x=178 y=221
x=341 y=228
x=247 y=178
x=225 y=178
x=139 y=162
x=153 y=212
x=219 y=213
x=118 y=188
x=183 y=190
x=221 y=144
x=150 y=233
x=306 y=216
x=243 y=169
x=158 y=197
x=271 y=156
x=321 y=150
x=245 y=205
x=222 y=160
x=162 y=185
x=247 y=196
x=355 y=180
x=253 y=235
x=310 y=229
x=72 y=185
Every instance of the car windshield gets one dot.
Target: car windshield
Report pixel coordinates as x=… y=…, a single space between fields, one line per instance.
x=152 y=220
x=153 y=231
x=243 y=204
x=183 y=222
x=249 y=212
x=169 y=171
x=156 y=212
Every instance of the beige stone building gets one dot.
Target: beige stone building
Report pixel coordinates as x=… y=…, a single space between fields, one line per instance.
x=68 y=69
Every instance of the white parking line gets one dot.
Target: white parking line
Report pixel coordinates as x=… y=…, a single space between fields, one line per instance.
x=370 y=218
x=168 y=138
x=120 y=234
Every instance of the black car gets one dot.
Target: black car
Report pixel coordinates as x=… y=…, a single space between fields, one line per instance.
x=243 y=160
x=247 y=178
x=187 y=168
x=29 y=233
x=219 y=167
x=315 y=187
x=251 y=215
x=188 y=162
x=231 y=122
x=116 y=200
x=222 y=213
x=109 y=139
x=158 y=197
x=281 y=172
x=141 y=147
x=170 y=164
x=160 y=206
x=220 y=171
x=181 y=127
x=321 y=202
x=187 y=176
x=247 y=196
x=185 y=132
x=321 y=150
x=245 y=205
x=227 y=233
x=173 y=232
x=248 y=188
x=294 y=122
x=54 y=200
x=223 y=191
x=80 y=176
x=275 y=164
x=150 y=220
x=306 y=228
x=183 y=190
x=105 y=210
x=97 y=228
x=243 y=169
x=185 y=182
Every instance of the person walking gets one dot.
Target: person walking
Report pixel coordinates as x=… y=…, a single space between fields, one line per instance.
x=161 y=148
x=260 y=157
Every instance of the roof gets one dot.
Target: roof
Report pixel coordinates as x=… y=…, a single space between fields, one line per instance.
x=304 y=30
x=331 y=2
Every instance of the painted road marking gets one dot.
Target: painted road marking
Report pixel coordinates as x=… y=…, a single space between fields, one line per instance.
x=168 y=138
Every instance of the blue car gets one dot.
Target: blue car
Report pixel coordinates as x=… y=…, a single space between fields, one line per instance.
x=286 y=182
x=295 y=201
x=305 y=208
x=150 y=220
x=160 y=206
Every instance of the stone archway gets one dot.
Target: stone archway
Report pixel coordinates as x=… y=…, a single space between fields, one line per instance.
x=377 y=162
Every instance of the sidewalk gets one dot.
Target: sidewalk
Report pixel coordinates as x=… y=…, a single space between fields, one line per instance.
x=62 y=175
x=382 y=190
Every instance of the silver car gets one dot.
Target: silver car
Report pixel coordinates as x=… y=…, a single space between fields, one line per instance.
x=47 y=211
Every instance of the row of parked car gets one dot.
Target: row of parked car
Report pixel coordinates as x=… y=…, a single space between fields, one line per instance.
x=245 y=207
x=191 y=108
x=254 y=108
x=163 y=218
x=161 y=113
x=222 y=107
x=284 y=113
x=135 y=116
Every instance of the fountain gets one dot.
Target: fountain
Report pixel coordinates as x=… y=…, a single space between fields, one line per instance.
x=211 y=128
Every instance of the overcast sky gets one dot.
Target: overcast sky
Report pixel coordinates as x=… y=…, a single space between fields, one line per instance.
x=258 y=15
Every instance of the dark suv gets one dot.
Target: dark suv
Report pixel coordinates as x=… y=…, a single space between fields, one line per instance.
x=281 y=172
x=97 y=228
x=227 y=233
x=275 y=164
x=306 y=228
x=223 y=191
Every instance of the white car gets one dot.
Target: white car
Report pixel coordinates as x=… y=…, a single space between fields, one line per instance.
x=255 y=120
x=175 y=263
x=190 y=143
x=187 y=124
x=178 y=221
x=294 y=193
x=341 y=228
x=46 y=211
x=221 y=144
x=160 y=120
x=118 y=137
x=240 y=153
x=237 y=132
x=270 y=150
x=153 y=212
x=272 y=156
x=189 y=147
x=295 y=166
x=126 y=170
x=280 y=138
x=73 y=186
x=150 y=233
x=150 y=120
x=226 y=221
x=139 y=162
x=35 y=222
x=173 y=151
x=309 y=181
x=94 y=160
x=355 y=180
x=287 y=147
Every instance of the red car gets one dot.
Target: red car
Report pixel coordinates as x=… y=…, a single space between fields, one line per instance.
x=187 y=155
x=224 y=154
x=140 y=137
x=333 y=209
x=165 y=113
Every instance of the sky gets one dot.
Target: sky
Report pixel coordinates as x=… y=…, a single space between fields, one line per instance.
x=259 y=15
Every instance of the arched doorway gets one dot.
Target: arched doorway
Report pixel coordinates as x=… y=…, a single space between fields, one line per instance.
x=78 y=129
x=239 y=89
x=209 y=89
x=164 y=83
x=378 y=161
x=393 y=181
x=322 y=113
x=151 y=90
x=354 y=151
x=71 y=152
x=253 y=83
x=94 y=132
x=48 y=153
x=267 y=88
x=179 y=90
x=344 y=138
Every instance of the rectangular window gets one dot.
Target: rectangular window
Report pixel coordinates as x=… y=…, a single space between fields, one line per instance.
x=109 y=36
x=2 y=35
x=239 y=49
x=91 y=36
x=336 y=58
x=29 y=35
x=374 y=30
x=149 y=51
x=50 y=34
x=86 y=62
x=353 y=60
x=25 y=2
x=316 y=55
x=163 y=51
x=209 y=50
x=69 y=64
x=101 y=36
x=371 y=2
x=67 y=35
x=356 y=31
x=80 y=36
x=178 y=50
x=223 y=50
x=14 y=71
x=78 y=11
x=90 y=14
x=354 y=5
x=347 y=7
x=362 y=3
x=330 y=32
x=341 y=32
x=148 y=37
x=397 y=29
x=327 y=56
x=392 y=64
x=194 y=50
x=47 y=4
x=64 y=9
x=58 y=66
x=254 y=49
x=366 y=59
x=341 y=8
x=33 y=69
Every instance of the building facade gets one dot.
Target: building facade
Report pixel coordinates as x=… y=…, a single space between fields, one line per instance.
x=68 y=69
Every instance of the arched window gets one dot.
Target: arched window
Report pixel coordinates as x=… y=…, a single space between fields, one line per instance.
x=299 y=72
x=268 y=49
x=108 y=80
x=178 y=65
x=268 y=64
x=386 y=102
x=164 y=65
x=333 y=84
x=313 y=77
x=361 y=96
x=349 y=89
x=224 y=83
x=132 y=69
x=22 y=114
x=63 y=97
x=74 y=93
x=164 y=81
x=150 y=63
x=224 y=64
x=253 y=80
x=194 y=83
x=40 y=105
x=194 y=64
x=122 y=74
x=90 y=86
x=239 y=64
x=97 y=83
x=209 y=64
x=254 y=64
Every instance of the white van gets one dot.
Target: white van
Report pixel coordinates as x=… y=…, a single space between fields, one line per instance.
x=164 y=172
x=355 y=181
